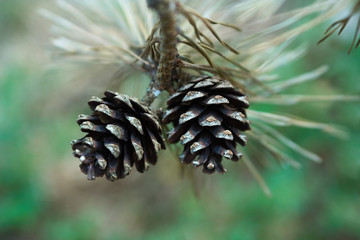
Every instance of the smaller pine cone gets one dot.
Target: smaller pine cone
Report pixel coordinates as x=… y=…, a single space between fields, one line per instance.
x=121 y=132
x=208 y=117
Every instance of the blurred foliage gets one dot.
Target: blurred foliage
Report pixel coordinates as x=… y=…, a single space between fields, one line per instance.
x=12 y=18
x=44 y=196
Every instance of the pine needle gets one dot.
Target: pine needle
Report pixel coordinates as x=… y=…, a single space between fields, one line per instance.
x=207 y=23
x=292 y=99
x=257 y=176
x=342 y=23
x=283 y=121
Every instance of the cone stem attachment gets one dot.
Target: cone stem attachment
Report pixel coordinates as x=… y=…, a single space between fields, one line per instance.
x=152 y=92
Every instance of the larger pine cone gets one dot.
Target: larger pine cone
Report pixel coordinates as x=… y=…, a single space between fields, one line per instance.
x=209 y=117
x=121 y=132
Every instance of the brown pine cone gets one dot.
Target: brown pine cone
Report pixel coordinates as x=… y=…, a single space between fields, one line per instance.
x=121 y=132
x=209 y=117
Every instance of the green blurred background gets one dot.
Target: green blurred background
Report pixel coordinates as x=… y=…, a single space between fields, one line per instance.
x=43 y=195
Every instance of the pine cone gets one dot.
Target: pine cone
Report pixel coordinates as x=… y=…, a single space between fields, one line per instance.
x=120 y=132
x=208 y=116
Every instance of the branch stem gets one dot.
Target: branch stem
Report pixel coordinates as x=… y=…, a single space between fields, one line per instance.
x=168 y=51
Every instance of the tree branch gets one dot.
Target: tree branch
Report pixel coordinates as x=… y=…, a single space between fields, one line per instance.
x=168 y=32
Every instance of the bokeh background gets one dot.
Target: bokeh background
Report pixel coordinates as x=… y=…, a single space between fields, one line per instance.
x=43 y=195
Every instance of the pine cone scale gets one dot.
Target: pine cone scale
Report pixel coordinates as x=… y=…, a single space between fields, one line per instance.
x=135 y=123
x=210 y=119
x=118 y=131
x=90 y=127
x=83 y=118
